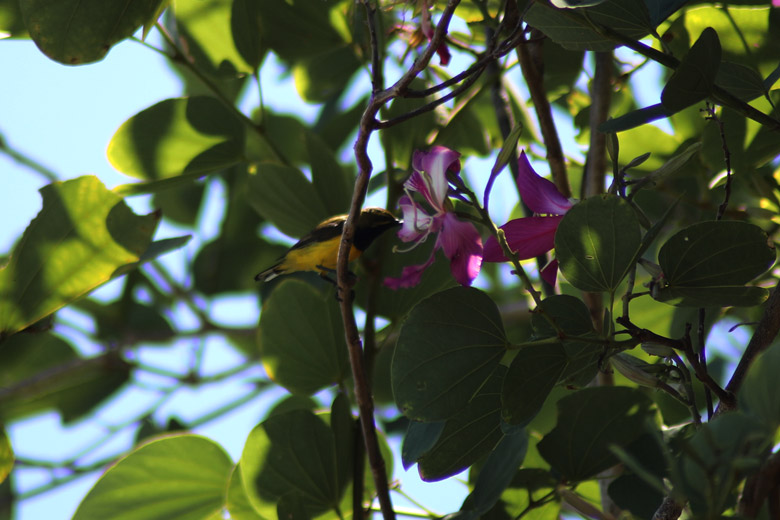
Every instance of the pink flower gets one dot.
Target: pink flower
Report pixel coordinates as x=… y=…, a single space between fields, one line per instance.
x=532 y=236
x=427 y=29
x=459 y=240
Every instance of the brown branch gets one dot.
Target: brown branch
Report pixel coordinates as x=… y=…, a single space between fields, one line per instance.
x=367 y=125
x=764 y=335
x=529 y=55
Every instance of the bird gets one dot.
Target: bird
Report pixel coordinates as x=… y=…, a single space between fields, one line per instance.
x=318 y=250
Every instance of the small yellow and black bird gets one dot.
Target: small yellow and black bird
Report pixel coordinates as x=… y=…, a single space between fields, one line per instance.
x=318 y=251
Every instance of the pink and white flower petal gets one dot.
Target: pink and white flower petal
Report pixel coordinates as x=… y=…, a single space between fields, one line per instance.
x=462 y=244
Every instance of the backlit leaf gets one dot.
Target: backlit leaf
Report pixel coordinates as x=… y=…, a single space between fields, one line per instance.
x=181 y=477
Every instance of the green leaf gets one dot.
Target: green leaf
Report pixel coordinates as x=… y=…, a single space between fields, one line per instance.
x=283 y=195
x=757 y=395
x=245 y=28
x=325 y=75
x=715 y=253
x=291 y=455
x=724 y=296
x=420 y=437
x=640 y=489
x=298 y=29
x=496 y=474
x=468 y=435
x=83 y=236
x=449 y=346
x=634 y=119
x=11 y=22
x=301 y=338
x=740 y=80
x=345 y=431
x=717 y=458
x=331 y=182
x=196 y=135
x=534 y=372
x=694 y=77
x=73 y=385
x=83 y=31
x=237 y=501
x=6 y=455
x=181 y=477
x=589 y=422
x=573 y=29
x=568 y=312
x=596 y=242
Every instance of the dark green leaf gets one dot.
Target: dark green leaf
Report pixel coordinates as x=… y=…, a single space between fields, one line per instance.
x=740 y=80
x=723 y=296
x=694 y=77
x=245 y=28
x=631 y=491
x=534 y=372
x=83 y=31
x=298 y=29
x=496 y=474
x=196 y=135
x=715 y=253
x=447 y=349
x=325 y=75
x=660 y=10
x=283 y=195
x=572 y=30
x=470 y=434
x=596 y=242
x=568 y=312
x=331 y=182
x=635 y=118
x=301 y=338
x=420 y=437
x=345 y=430
x=83 y=236
x=402 y=139
x=291 y=454
x=717 y=458
x=182 y=477
x=73 y=385
x=589 y=422
x=758 y=394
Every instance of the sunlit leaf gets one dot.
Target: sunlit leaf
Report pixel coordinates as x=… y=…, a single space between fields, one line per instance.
x=6 y=455
x=84 y=236
x=596 y=242
x=196 y=135
x=292 y=455
x=182 y=477
x=83 y=31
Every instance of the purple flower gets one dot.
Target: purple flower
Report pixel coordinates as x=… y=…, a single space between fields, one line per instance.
x=532 y=236
x=459 y=240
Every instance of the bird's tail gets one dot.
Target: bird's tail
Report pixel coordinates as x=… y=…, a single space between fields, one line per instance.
x=270 y=273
